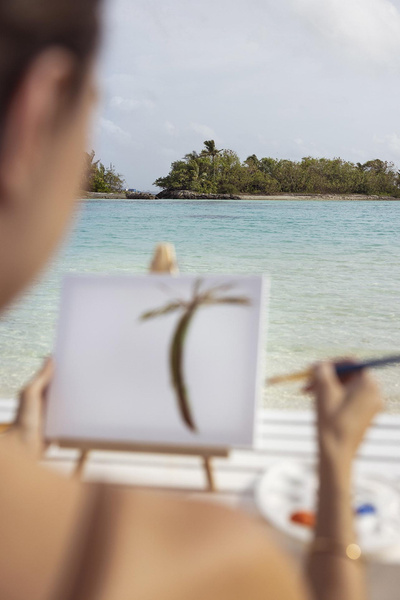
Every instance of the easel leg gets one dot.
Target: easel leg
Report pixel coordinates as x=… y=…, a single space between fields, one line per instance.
x=209 y=473
x=80 y=465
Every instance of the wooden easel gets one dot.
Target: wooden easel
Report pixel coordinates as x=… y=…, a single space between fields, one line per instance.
x=164 y=261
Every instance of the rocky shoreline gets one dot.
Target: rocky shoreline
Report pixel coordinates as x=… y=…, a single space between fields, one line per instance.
x=139 y=196
x=164 y=195
x=102 y=196
x=188 y=195
x=119 y=196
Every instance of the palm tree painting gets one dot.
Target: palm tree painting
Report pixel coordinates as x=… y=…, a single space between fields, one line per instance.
x=189 y=308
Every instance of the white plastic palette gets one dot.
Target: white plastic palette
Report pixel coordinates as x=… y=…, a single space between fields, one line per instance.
x=291 y=486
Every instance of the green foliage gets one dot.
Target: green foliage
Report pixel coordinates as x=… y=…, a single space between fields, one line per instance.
x=100 y=178
x=220 y=171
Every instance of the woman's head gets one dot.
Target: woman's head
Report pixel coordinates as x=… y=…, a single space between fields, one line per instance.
x=47 y=49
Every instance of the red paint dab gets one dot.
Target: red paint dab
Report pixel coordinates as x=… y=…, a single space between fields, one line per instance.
x=303 y=517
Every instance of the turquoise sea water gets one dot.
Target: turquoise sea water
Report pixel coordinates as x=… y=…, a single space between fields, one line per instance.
x=335 y=270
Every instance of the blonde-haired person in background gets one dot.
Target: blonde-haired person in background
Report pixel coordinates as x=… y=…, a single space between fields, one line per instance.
x=64 y=540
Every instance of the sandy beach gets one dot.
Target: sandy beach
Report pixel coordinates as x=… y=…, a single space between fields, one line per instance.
x=320 y=197
x=308 y=197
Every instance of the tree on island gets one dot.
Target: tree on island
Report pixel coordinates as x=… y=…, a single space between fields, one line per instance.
x=100 y=178
x=211 y=150
x=222 y=172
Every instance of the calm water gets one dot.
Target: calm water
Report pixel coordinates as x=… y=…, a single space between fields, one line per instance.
x=335 y=269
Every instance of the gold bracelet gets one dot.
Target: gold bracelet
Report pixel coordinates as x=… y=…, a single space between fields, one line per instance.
x=330 y=546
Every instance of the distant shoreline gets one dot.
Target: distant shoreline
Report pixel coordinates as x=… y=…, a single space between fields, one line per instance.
x=287 y=197
x=316 y=197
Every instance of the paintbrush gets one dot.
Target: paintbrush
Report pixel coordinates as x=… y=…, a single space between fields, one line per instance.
x=340 y=368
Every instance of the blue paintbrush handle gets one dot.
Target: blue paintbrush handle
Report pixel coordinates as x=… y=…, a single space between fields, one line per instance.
x=344 y=369
x=341 y=369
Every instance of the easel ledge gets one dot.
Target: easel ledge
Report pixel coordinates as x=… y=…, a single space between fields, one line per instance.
x=86 y=447
x=164 y=261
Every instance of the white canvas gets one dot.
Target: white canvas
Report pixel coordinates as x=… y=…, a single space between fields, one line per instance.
x=114 y=381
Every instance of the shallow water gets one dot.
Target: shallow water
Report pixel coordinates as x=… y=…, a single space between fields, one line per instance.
x=335 y=270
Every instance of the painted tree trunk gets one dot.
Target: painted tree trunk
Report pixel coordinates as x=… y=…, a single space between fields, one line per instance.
x=177 y=368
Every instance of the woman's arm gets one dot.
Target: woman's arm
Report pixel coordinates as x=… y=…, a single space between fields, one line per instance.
x=152 y=545
x=344 y=412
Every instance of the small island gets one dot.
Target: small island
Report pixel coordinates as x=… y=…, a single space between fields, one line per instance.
x=218 y=174
x=101 y=182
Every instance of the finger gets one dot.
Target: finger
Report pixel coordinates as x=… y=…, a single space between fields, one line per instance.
x=324 y=376
x=363 y=402
x=309 y=388
x=327 y=387
x=363 y=395
x=33 y=395
x=43 y=378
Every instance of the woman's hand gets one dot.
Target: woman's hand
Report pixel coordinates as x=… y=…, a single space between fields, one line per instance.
x=345 y=409
x=29 y=421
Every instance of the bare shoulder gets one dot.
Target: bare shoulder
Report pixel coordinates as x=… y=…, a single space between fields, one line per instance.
x=163 y=546
x=41 y=518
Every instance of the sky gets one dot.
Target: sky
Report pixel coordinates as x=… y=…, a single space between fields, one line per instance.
x=286 y=79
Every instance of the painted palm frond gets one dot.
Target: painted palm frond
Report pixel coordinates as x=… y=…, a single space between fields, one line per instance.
x=226 y=287
x=209 y=297
x=161 y=311
x=228 y=300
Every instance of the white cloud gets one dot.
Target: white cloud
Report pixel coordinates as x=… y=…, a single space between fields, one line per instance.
x=119 y=81
x=229 y=33
x=170 y=153
x=204 y=130
x=391 y=141
x=114 y=131
x=170 y=128
x=129 y=104
x=368 y=30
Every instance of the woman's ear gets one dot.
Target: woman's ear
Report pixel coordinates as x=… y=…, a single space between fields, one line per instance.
x=31 y=120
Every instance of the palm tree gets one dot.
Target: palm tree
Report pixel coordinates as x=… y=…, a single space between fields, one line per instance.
x=211 y=150
x=189 y=308
x=252 y=162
